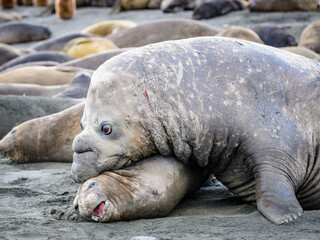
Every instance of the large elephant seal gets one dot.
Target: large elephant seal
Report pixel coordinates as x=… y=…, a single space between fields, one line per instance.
x=215 y=8
x=161 y=30
x=274 y=35
x=150 y=188
x=240 y=33
x=310 y=37
x=44 y=139
x=57 y=75
x=247 y=112
x=17 y=109
x=18 y=32
x=78 y=88
x=283 y=5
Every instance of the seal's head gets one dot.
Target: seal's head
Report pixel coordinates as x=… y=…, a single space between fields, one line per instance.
x=91 y=202
x=114 y=126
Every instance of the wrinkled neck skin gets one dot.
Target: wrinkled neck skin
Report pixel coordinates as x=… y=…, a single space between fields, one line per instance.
x=150 y=188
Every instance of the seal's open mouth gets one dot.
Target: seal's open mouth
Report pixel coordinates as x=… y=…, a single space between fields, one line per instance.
x=99 y=210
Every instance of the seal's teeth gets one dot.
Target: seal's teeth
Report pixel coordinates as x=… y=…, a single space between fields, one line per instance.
x=95 y=218
x=106 y=206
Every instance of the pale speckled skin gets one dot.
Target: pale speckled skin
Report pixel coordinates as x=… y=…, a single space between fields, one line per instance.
x=248 y=112
x=150 y=188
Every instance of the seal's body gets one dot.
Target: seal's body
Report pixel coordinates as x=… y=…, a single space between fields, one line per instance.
x=151 y=188
x=247 y=112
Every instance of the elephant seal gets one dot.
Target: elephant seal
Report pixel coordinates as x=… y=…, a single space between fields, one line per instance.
x=310 y=37
x=8 y=17
x=81 y=47
x=29 y=64
x=275 y=36
x=18 y=32
x=37 y=57
x=216 y=8
x=42 y=75
x=8 y=52
x=17 y=109
x=161 y=30
x=31 y=89
x=65 y=9
x=303 y=52
x=254 y=126
x=44 y=139
x=56 y=43
x=283 y=5
x=93 y=61
x=8 y=4
x=240 y=33
x=105 y=28
x=150 y=188
x=78 y=88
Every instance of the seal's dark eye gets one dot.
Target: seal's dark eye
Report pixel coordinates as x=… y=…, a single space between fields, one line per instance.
x=106 y=129
x=91 y=185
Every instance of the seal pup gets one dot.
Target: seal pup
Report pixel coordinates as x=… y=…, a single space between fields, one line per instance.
x=310 y=37
x=44 y=139
x=275 y=36
x=255 y=127
x=150 y=188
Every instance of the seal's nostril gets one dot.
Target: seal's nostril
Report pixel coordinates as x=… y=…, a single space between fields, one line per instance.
x=89 y=149
x=76 y=207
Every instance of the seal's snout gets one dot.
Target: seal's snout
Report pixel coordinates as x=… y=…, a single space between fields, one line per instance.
x=80 y=146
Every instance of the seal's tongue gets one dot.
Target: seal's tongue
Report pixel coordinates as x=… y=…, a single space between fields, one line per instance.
x=99 y=210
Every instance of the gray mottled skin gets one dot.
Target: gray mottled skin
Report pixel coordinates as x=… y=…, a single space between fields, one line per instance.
x=248 y=112
x=17 y=32
x=150 y=188
x=78 y=88
x=36 y=57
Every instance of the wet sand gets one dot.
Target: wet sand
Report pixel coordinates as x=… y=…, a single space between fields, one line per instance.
x=36 y=199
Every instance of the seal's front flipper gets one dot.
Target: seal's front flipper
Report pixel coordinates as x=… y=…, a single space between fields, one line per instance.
x=275 y=195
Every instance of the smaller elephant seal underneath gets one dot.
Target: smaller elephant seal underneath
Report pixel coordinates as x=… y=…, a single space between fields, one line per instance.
x=310 y=37
x=255 y=127
x=275 y=36
x=150 y=188
x=216 y=8
x=18 y=32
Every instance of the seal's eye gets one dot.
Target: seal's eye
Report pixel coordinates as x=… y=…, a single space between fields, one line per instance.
x=106 y=129
x=91 y=185
x=13 y=131
x=81 y=125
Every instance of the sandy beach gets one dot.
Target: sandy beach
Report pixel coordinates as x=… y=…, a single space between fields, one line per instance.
x=36 y=199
